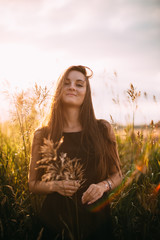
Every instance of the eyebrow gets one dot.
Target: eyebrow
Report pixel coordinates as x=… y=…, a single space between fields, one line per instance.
x=77 y=80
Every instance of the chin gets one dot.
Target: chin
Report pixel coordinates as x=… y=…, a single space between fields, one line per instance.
x=71 y=104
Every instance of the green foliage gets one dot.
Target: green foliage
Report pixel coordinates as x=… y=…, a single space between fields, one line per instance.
x=136 y=210
x=136 y=207
x=18 y=214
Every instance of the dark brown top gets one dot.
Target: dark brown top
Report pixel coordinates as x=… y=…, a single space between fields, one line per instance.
x=57 y=210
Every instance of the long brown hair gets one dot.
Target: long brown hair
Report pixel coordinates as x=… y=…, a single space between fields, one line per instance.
x=95 y=132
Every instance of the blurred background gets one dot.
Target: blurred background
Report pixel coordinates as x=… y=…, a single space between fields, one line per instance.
x=120 y=41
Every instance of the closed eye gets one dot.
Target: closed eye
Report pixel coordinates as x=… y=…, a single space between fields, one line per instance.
x=79 y=85
x=66 y=83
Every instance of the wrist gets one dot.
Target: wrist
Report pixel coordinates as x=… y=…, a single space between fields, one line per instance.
x=108 y=185
x=52 y=186
x=104 y=185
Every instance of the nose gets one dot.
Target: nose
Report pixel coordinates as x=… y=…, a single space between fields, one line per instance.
x=71 y=86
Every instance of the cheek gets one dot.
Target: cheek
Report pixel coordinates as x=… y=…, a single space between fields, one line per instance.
x=62 y=94
x=83 y=94
x=64 y=88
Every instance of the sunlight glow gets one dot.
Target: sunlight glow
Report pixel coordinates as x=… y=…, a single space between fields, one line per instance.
x=23 y=65
x=134 y=173
x=157 y=188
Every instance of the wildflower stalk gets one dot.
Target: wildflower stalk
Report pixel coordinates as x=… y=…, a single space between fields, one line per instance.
x=133 y=95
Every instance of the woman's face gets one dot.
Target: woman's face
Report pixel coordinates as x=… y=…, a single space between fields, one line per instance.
x=74 y=89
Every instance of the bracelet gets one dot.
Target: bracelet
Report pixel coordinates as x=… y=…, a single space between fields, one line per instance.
x=109 y=184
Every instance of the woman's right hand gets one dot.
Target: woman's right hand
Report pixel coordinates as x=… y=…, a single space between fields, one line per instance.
x=66 y=187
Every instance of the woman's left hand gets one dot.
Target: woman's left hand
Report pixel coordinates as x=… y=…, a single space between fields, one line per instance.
x=93 y=193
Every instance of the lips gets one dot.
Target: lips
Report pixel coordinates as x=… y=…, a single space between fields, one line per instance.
x=70 y=94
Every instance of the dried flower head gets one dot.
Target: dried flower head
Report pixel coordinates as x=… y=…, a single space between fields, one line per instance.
x=59 y=168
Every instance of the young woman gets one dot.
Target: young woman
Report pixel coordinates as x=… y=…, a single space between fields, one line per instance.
x=68 y=211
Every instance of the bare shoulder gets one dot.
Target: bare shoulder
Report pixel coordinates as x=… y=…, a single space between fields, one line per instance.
x=106 y=125
x=40 y=133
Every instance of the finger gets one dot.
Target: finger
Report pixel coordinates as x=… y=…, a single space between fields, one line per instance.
x=92 y=197
x=71 y=183
x=89 y=194
x=69 y=193
x=86 y=198
x=66 y=193
x=95 y=198
x=74 y=183
x=71 y=188
x=68 y=186
x=92 y=189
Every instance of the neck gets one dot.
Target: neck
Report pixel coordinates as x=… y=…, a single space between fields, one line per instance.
x=72 y=122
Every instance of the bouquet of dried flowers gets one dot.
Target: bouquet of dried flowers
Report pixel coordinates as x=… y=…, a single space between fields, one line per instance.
x=62 y=168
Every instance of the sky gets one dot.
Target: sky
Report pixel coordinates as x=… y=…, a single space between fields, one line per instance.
x=118 y=39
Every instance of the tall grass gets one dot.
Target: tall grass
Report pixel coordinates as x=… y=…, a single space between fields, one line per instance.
x=136 y=203
x=17 y=214
x=14 y=195
x=136 y=211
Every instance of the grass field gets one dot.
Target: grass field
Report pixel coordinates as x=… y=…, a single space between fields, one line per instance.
x=135 y=204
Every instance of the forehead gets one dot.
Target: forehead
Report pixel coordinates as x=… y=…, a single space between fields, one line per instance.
x=75 y=75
